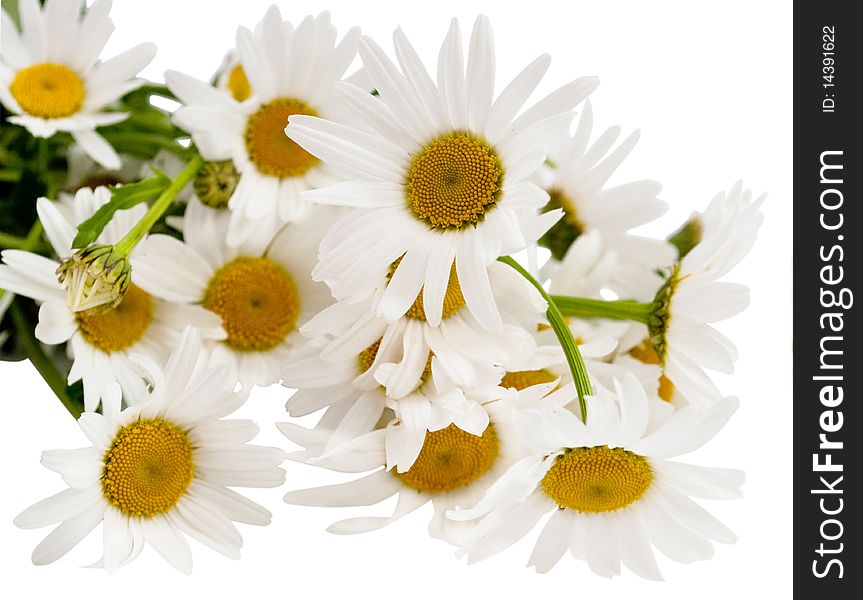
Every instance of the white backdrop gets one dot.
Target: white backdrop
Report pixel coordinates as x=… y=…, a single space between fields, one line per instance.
x=710 y=88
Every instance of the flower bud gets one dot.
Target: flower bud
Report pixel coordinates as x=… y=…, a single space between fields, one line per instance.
x=215 y=183
x=95 y=277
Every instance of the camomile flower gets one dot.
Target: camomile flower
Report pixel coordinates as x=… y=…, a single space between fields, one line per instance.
x=463 y=349
x=100 y=343
x=609 y=487
x=232 y=78
x=290 y=71
x=453 y=469
x=577 y=183
x=51 y=77
x=681 y=339
x=160 y=470
x=440 y=174
x=261 y=290
x=83 y=171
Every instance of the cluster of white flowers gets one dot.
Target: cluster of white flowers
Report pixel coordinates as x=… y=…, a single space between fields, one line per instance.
x=343 y=235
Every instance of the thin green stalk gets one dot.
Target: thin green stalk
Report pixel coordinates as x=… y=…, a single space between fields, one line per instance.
x=10 y=174
x=587 y=308
x=564 y=337
x=7 y=240
x=40 y=360
x=128 y=243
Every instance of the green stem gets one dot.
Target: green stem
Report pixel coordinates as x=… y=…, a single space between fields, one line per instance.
x=564 y=336
x=40 y=360
x=10 y=174
x=128 y=243
x=132 y=139
x=587 y=308
x=7 y=240
x=158 y=89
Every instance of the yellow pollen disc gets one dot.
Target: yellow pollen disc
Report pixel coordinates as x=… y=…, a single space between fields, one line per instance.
x=557 y=198
x=147 y=468
x=524 y=379
x=366 y=358
x=646 y=354
x=597 y=479
x=257 y=300
x=273 y=152
x=120 y=327
x=453 y=181
x=48 y=90
x=453 y=300
x=451 y=458
x=238 y=84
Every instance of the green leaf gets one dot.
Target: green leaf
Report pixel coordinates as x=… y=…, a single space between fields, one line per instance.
x=122 y=198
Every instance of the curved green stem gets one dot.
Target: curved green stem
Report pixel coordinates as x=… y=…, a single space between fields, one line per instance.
x=128 y=243
x=40 y=360
x=564 y=336
x=587 y=308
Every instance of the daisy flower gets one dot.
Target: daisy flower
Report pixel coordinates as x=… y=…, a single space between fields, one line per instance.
x=463 y=349
x=440 y=173
x=100 y=344
x=577 y=184
x=261 y=290
x=51 y=77
x=159 y=470
x=682 y=341
x=453 y=469
x=609 y=487
x=290 y=71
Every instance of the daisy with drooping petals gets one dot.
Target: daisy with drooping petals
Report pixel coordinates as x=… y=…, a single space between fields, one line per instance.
x=260 y=290
x=51 y=77
x=453 y=469
x=100 y=343
x=290 y=71
x=680 y=335
x=609 y=487
x=462 y=349
x=577 y=184
x=440 y=174
x=160 y=470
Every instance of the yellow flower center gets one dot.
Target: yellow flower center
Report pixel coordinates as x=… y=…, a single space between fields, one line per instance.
x=453 y=300
x=597 y=479
x=453 y=181
x=48 y=90
x=122 y=326
x=562 y=234
x=524 y=379
x=148 y=468
x=238 y=83
x=645 y=353
x=257 y=300
x=273 y=152
x=366 y=358
x=451 y=458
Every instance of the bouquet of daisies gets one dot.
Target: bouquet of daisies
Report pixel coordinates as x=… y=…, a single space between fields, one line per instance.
x=433 y=262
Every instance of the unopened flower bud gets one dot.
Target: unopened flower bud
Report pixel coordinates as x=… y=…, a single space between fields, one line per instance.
x=215 y=183
x=95 y=277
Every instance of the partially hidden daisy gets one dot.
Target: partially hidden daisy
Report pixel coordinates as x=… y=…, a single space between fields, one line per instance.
x=452 y=469
x=289 y=71
x=609 y=488
x=681 y=338
x=439 y=173
x=261 y=290
x=577 y=183
x=51 y=77
x=160 y=471
x=459 y=345
x=100 y=343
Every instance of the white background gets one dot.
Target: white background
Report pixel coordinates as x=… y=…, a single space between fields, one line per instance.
x=709 y=85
